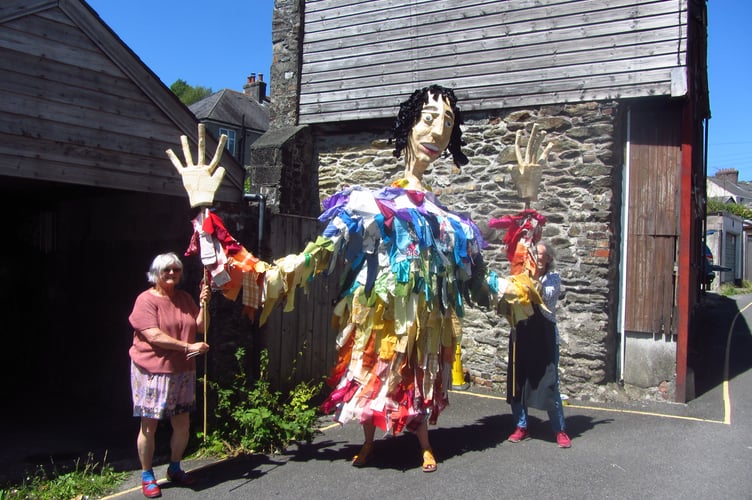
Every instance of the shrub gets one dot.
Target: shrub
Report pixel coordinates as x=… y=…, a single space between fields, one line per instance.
x=728 y=289
x=252 y=418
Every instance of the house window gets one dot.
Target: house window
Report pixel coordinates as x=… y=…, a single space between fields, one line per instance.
x=230 y=146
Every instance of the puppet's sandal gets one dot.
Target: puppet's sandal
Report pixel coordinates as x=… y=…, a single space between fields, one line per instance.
x=429 y=462
x=364 y=455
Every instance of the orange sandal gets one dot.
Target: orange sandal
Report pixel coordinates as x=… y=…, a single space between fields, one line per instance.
x=364 y=455
x=429 y=461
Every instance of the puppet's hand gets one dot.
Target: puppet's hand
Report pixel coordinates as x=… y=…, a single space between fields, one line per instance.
x=200 y=180
x=527 y=174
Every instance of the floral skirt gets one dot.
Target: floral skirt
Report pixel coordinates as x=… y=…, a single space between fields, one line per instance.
x=162 y=395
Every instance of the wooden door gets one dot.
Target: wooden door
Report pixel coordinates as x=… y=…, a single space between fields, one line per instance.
x=653 y=219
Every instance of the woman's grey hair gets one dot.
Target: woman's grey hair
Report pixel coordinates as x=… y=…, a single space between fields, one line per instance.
x=160 y=263
x=550 y=252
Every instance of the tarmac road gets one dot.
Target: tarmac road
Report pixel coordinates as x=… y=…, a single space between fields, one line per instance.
x=699 y=450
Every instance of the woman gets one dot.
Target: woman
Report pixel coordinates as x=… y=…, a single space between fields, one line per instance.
x=410 y=258
x=533 y=373
x=163 y=366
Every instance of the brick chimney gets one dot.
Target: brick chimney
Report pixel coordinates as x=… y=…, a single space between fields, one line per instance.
x=255 y=88
x=728 y=175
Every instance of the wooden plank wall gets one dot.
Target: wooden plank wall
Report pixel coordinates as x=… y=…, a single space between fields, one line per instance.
x=301 y=342
x=72 y=114
x=360 y=59
x=653 y=226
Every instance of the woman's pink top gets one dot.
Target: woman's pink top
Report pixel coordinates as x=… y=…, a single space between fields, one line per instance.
x=176 y=316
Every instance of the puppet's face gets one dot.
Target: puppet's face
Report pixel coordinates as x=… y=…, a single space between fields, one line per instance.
x=430 y=135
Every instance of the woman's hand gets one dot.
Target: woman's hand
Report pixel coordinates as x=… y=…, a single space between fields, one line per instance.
x=202 y=320
x=205 y=294
x=196 y=349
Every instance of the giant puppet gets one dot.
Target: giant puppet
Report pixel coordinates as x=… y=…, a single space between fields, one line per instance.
x=411 y=266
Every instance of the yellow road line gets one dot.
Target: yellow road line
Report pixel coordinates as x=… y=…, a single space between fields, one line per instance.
x=648 y=414
x=330 y=426
x=613 y=410
x=726 y=390
x=726 y=420
x=582 y=407
x=487 y=396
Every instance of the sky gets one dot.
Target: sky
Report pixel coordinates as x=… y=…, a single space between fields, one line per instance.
x=208 y=44
x=220 y=47
x=730 y=80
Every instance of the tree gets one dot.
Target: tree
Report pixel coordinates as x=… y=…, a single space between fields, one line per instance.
x=715 y=206
x=189 y=94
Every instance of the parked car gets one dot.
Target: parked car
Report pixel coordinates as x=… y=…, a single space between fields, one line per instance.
x=711 y=268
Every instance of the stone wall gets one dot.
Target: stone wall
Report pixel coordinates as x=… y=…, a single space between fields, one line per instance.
x=579 y=195
x=285 y=71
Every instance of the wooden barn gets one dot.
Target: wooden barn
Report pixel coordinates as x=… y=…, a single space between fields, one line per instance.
x=621 y=88
x=93 y=197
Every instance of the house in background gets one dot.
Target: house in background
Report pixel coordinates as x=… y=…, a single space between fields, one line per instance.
x=729 y=236
x=242 y=116
x=725 y=187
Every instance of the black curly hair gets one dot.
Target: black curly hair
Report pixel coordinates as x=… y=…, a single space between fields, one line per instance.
x=409 y=114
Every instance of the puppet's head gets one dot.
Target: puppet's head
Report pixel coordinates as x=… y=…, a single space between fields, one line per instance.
x=410 y=112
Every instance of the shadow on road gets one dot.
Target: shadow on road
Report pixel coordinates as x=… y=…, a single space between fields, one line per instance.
x=707 y=346
x=246 y=466
x=402 y=452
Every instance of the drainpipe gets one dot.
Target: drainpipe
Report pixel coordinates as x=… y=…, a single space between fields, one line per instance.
x=624 y=252
x=261 y=199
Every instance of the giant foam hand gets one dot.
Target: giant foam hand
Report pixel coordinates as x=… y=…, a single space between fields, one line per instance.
x=527 y=174
x=200 y=180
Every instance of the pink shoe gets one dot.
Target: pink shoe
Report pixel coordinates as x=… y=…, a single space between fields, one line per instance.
x=151 y=489
x=563 y=440
x=518 y=435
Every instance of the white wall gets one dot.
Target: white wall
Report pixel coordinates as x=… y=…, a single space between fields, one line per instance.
x=724 y=237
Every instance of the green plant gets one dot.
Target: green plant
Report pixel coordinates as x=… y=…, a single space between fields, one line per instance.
x=727 y=289
x=715 y=206
x=88 y=480
x=252 y=418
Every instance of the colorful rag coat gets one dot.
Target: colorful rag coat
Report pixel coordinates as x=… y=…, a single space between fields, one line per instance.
x=409 y=263
x=410 y=267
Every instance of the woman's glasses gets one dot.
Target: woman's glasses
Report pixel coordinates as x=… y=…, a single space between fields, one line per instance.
x=172 y=270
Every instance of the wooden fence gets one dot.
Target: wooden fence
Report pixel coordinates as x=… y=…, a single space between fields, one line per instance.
x=301 y=342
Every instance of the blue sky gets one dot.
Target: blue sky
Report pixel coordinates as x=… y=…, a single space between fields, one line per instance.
x=730 y=78
x=211 y=44
x=219 y=46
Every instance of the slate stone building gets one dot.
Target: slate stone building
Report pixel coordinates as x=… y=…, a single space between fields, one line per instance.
x=621 y=88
